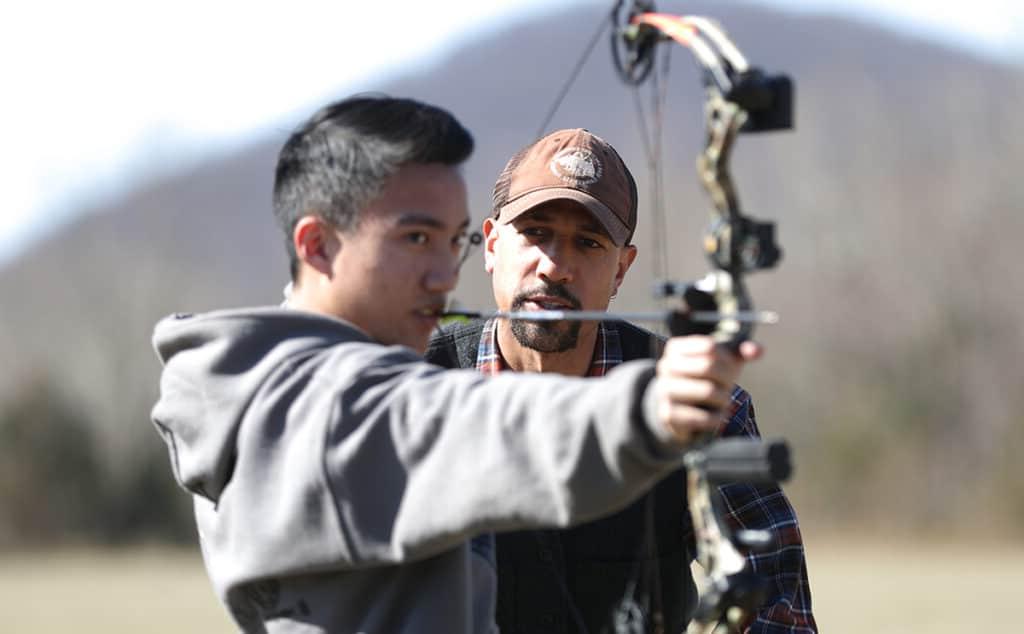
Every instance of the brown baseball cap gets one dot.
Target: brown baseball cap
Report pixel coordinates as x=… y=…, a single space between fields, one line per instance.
x=571 y=165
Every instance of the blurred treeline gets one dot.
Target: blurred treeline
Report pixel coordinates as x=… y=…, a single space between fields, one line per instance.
x=894 y=372
x=56 y=487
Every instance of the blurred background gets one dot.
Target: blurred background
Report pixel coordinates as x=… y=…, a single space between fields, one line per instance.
x=139 y=144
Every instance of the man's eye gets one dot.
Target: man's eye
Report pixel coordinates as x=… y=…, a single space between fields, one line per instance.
x=417 y=237
x=534 y=232
x=591 y=243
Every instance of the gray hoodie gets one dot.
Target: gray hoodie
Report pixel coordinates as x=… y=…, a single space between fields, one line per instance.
x=338 y=482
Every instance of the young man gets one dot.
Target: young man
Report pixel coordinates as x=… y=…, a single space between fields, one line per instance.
x=565 y=209
x=337 y=478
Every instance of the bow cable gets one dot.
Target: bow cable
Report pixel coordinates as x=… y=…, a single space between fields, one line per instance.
x=572 y=77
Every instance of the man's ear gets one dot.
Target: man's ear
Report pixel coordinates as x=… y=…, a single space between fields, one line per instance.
x=490 y=237
x=316 y=244
x=626 y=257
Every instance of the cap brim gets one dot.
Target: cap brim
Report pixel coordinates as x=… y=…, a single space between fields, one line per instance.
x=616 y=228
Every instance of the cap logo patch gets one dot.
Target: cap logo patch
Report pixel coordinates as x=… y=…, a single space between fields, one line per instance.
x=576 y=166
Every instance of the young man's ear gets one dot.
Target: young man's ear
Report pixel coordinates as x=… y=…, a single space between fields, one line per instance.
x=490 y=237
x=316 y=244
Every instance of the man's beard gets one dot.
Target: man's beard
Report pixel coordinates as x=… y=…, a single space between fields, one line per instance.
x=546 y=336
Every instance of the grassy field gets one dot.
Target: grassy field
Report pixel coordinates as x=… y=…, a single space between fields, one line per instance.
x=857 y=586
x=894 y=587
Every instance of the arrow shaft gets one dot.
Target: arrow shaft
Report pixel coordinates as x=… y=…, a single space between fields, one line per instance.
x=762 y=316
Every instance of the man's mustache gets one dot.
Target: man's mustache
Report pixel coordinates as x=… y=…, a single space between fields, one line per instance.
x=551 y=290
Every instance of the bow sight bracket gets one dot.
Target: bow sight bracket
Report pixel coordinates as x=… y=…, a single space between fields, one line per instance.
x=768 y=100
x=756 y=248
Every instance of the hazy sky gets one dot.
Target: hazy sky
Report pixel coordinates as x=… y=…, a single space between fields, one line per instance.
x=99 y=92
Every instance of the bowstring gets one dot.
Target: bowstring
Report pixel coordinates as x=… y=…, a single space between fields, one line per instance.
x=659 y=88
x=598 y=34
x=652 y=140
x=651 y=137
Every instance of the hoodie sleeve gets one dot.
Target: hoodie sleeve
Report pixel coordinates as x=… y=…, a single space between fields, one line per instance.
x=364 y=455
x=418 y=459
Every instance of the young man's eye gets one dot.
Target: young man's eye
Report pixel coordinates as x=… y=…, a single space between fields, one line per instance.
x=590 y=243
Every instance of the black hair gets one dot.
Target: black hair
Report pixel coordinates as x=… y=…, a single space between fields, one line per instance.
x=340 y=159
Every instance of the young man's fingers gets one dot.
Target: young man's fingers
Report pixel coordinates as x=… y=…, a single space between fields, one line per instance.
x=696 y=392
x=719 y=366
x=686 y=422
x=703 y=344
x=751 y=350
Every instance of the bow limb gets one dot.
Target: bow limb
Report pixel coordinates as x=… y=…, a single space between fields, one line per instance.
x=723 y=241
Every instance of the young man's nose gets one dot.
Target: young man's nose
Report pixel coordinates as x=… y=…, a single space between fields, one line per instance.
x=443 y=274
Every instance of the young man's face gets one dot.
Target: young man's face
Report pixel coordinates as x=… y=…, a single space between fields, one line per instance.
x=393 y=271
x=556 y=256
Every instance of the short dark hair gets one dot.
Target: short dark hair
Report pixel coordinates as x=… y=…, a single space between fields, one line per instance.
x=340 y=159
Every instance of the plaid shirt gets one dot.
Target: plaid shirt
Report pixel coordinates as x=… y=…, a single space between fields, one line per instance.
x=764 y=507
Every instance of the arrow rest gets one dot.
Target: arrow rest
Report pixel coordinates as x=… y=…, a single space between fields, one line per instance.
x=693 y=300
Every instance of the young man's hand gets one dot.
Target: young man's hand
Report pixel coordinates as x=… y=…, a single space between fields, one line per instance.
x=695 y=382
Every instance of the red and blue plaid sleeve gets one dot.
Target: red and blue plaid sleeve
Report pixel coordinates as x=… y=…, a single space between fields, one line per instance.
x=787 y=607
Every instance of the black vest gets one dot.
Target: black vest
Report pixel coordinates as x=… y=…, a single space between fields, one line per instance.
x=593 y=564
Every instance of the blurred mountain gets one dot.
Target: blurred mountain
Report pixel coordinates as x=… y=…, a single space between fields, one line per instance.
x=897 y=198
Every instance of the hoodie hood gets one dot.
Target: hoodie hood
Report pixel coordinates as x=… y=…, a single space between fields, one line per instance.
x=215 y=364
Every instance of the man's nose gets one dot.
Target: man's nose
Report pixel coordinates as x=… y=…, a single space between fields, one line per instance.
x=555 y=263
